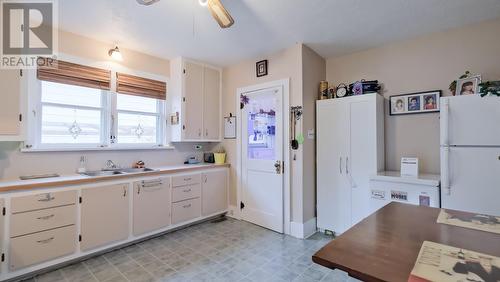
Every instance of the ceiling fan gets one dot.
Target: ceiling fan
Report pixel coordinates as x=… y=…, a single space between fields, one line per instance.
x=220 y=14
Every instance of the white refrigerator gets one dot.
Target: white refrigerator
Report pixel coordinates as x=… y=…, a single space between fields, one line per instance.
x=470 y=154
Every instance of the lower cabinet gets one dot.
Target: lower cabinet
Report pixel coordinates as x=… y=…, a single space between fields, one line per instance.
x=42 y=246
x=151 y=205
x=104 y=215
x=45 y=225
x=186 y=210
x=214 y=192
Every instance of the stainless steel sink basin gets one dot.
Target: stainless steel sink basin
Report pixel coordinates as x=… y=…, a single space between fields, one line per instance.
x=135 y=170
x=102 y=173
x=110 y=172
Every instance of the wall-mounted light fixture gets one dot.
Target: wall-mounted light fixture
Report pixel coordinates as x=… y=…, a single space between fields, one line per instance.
x=203 y=2
x=115 y=54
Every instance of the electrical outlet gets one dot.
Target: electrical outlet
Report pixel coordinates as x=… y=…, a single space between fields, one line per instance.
x=198 y=147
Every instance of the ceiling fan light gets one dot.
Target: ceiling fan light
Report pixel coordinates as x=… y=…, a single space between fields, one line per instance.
x=220 y=14
x=203 y=2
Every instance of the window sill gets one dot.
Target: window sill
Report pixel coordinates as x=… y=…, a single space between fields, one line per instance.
x=128 y=148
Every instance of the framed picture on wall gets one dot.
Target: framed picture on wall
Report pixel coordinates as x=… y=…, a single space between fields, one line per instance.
x=261 y=68
x=415 y=103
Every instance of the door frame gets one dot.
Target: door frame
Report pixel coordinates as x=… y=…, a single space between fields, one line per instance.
x=285 y=86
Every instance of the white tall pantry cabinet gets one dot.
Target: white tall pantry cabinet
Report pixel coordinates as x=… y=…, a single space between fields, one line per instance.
x=350 y=148
x=195 y=96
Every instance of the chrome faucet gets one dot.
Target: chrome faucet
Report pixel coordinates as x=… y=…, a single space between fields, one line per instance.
x=111 y=165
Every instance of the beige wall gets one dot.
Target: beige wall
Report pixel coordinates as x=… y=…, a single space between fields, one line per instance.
x=97 y=51
x=425 y=63
x=313 y=71
x=14 y=163
x=284 y=64
x=305 y=69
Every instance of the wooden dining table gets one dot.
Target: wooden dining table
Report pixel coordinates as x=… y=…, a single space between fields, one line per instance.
x=385 y=245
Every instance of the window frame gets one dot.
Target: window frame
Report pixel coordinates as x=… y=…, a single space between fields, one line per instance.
x=160 y=126
x=109 y=119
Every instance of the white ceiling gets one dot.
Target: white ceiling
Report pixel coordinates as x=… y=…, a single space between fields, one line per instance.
x=172 y=28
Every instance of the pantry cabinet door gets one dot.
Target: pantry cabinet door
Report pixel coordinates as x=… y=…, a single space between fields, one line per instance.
x=105 y=215
x=10 y=123
x=193 y=101
x=211 y=104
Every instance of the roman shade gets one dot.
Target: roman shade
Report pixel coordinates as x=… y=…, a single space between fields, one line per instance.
x=75 y=74
x=139 y=86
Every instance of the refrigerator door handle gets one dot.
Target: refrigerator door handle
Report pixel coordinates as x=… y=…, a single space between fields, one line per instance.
x=444 y=117
x=445 y=171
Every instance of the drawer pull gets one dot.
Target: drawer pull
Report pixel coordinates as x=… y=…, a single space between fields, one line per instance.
x=47 y=198
x=154 y=183
x=187 y=190
x=46 y=217
x=45 y=241
x=188 y=179
x=187 y=206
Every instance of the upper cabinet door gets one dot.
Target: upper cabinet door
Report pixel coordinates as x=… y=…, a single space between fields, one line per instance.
x=193 y=101
x=211 y=104
x=11 y=100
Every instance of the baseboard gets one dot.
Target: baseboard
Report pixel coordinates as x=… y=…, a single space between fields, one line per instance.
x=303 y=230
x=233 y=212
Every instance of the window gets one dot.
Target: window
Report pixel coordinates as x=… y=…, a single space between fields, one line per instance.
x=67 y=116
x=138 y=119
x=71 y=114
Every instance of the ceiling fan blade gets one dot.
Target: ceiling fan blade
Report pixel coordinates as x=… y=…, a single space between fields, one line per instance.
x=220 y=14
x=147 y=2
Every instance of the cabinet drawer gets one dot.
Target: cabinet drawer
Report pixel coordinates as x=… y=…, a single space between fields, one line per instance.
x=183 y=180
x=186 y=192
x=43 y=201
x=36 y=221
x=186 y=210
x=43 y=246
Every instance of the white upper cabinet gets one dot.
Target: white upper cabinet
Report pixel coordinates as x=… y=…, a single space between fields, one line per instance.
x=10 y=107
x=195 y=95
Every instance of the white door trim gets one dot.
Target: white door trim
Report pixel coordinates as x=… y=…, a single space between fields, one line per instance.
x=285 y=84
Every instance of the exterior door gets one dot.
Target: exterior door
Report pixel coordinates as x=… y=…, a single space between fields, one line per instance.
x=193 y=103
x=262 y=158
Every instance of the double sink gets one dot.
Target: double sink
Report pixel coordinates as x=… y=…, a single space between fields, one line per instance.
x=116 y=171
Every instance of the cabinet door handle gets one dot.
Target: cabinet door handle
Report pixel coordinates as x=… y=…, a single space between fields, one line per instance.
x=124 y=191
x=199 y=132
x=206 y=178
x=187 y=179
x=45 y=241
x=47 y=198
x=187 y=190
x=347 y=165
x=340 y=165
x=206 y=132
x=46 y=217
x=187 y=206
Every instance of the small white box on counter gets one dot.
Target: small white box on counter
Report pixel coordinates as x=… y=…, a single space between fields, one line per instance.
x=409 y=167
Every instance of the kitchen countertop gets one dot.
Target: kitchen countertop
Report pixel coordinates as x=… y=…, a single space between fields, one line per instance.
x=77 y=179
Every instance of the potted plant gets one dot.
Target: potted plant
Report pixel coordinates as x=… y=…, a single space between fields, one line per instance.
x=220 y=156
